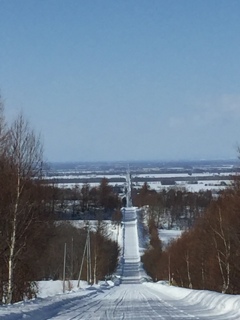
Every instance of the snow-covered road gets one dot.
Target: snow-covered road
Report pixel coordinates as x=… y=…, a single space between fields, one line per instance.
x=128 y=301
x=132 y=299
x=124 y=302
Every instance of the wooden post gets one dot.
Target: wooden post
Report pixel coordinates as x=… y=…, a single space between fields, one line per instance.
x=64 y=265
x=84 y=253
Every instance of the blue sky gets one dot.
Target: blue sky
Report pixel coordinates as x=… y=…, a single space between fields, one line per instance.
x=124 y=79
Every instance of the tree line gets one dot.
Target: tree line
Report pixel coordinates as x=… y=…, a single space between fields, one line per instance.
x=173 y=206
x=103 y=257
x=31 y=242
x=86 y=202
x=207 y=255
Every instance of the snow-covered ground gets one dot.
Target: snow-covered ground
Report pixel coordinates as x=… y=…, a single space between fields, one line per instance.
x=52 y=303
x=51 y=288
x=91 y=184
x=198 y=304
x=133 y=299
x=156 y=185
x=196 y=187
x=80 y=176
x=167 y=236
x=114 y=232
x=178 y=175
x=128 y=301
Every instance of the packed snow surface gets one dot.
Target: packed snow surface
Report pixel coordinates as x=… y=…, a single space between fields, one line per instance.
x=132 y=299
x=128 y=301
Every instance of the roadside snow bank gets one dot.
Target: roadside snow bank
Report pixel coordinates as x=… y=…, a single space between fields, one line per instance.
x=222 y=303
x=170 y=291
x=50 y=298
x=51 y=288
x=215 y=300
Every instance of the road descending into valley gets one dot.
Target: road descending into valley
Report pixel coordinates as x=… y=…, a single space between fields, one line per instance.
x=131 y=299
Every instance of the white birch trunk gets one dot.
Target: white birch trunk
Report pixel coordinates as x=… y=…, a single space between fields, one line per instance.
x=95 y=268
x=223 y=256
x=12 y=246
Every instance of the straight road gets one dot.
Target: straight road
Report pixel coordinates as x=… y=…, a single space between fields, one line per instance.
x=130 y=300
x=127 y=301
x=135 y=301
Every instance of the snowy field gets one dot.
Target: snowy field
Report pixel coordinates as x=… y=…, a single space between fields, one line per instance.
x=196 y=187
x=80 y=176
x=113 y=232
x=167 y=236
x=179 y=175
x=156 y=185
x=91 y=184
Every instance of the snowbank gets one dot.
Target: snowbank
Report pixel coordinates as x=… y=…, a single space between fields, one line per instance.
x=216 y=302
x=50 y=298
x=51 y=288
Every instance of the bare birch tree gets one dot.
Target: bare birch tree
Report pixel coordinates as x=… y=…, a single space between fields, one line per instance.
x=24 y=160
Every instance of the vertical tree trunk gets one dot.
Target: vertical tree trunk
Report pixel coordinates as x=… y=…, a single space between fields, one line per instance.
x=169 y=270
x=203 y=275
x=188 y=271
x=11 y=263
x=223 y=256
x=95 y=268
x=12 y=246
x=64 y=266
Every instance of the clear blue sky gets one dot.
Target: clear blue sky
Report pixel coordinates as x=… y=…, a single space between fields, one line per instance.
x=124 y=79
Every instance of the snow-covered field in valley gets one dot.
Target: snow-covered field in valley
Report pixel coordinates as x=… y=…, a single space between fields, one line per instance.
x=167 y=236
x=131 y=299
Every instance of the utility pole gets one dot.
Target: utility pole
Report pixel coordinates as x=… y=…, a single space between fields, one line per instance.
x=64 y=265
x=86 y=250
x=89 y=260
x=72 y=260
